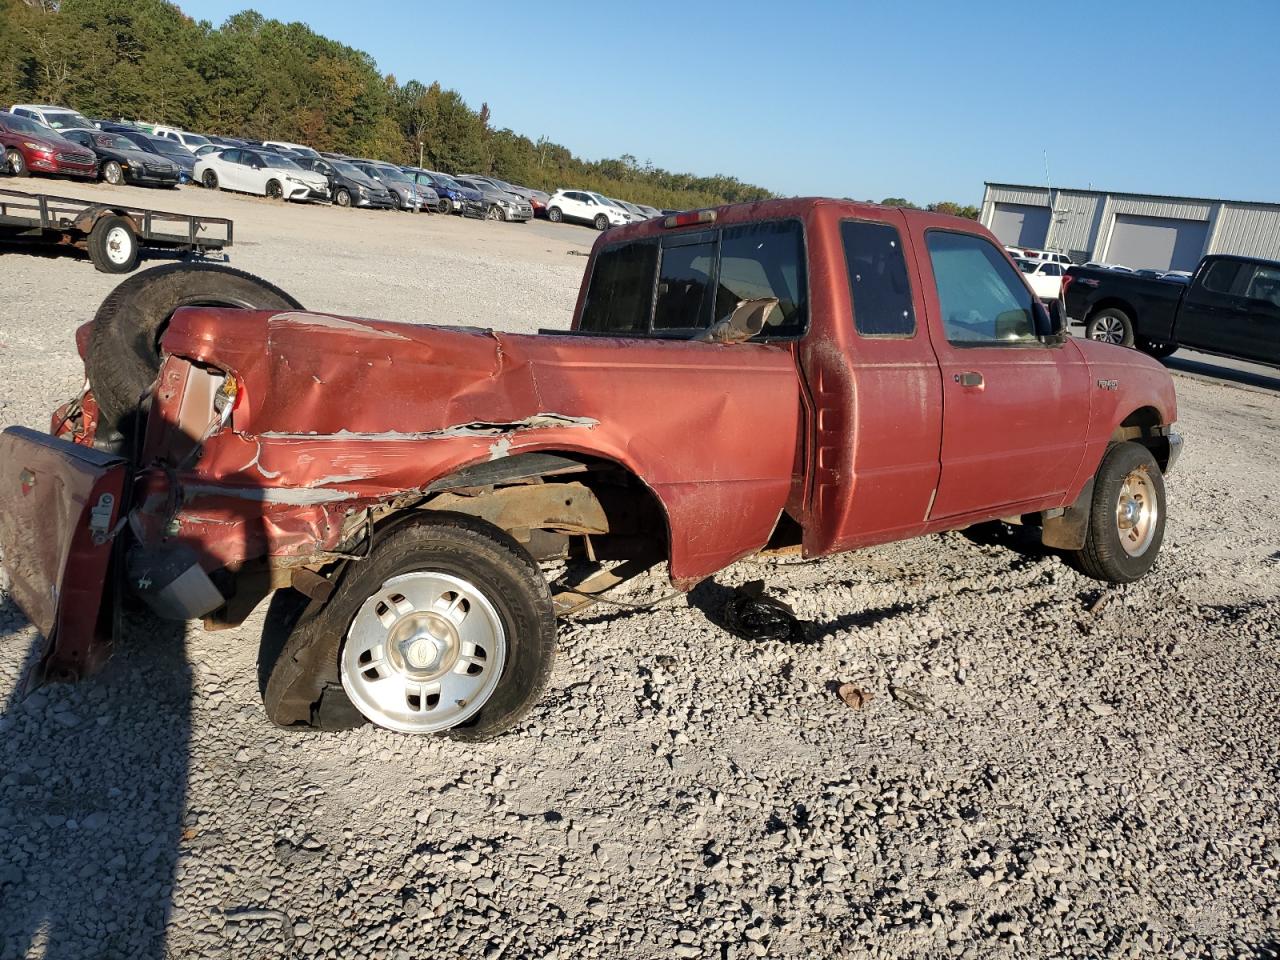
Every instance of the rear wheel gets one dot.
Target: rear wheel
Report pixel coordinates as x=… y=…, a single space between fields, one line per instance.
x=16 y=163
x=1156 y=348
x=554 y=215
x=1126 y=518
x=1110 y=326
x=123 y=358
x=113 y=245
x=210 y=180
x=446 y=628
x=602 y=222
x=112 y=173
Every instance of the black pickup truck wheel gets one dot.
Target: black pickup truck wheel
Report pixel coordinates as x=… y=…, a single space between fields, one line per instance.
x=1126 y=517
x=123 y=358
x=1156 y=348
x=1110 y=326
x=446 y=628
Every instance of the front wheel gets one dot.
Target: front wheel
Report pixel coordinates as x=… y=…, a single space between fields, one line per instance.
x=443 y=205
x=447 y=628
x=602 y=222
x=496 y=212
x=1126 y=517
x=112 y=173
x=274 y=190
x=1110 y=326
x=343 y=197
x=17 y=165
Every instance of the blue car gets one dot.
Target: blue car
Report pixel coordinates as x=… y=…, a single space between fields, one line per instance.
x=454 y=197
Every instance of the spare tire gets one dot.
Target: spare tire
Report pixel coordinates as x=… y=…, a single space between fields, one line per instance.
x=123 y=358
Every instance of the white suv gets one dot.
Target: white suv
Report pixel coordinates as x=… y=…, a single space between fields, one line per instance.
x=189 y=140
x=54 y=117
x=1027 y=253
x=585 y=206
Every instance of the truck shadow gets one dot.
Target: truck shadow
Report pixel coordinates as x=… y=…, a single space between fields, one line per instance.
x=92 y=799
x=1206 y=368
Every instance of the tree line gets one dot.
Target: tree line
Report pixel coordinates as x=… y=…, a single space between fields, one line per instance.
x=260 y=78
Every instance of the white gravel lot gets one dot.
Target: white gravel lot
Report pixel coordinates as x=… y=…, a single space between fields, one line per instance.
x=1046 y=768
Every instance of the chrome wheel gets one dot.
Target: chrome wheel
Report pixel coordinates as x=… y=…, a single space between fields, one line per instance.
x=16 y=163
x=1137 y=511
x=113 y=174
x=424 y=653
x=1109 y=330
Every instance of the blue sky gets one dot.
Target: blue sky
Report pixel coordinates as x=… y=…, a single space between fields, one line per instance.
x=897 y=98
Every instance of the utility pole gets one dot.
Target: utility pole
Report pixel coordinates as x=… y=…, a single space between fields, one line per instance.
x=419 y=153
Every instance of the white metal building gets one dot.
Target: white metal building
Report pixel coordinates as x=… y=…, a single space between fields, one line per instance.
x=1132 y=229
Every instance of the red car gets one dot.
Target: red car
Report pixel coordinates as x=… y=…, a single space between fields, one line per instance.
x=811 y=375
x=30 y=147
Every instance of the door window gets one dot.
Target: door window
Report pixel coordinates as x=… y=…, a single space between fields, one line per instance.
x=1220 y=277
x=983 y=300
x=230 y=156
x=1264 y=284
x=878 y=282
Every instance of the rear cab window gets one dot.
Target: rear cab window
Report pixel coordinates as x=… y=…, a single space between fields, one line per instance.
x=678 y=285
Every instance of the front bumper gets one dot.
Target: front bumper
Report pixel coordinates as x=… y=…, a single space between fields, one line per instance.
x=151 y=178
x=61 y=168
x=302 y=192
x=60 y=510
x=519 y=212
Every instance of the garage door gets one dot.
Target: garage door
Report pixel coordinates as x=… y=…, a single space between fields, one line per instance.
x=1020 y=224
x=1156 y=242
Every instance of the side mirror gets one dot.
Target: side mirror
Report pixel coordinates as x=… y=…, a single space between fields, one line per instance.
x=746 y=321
x=1051 y=322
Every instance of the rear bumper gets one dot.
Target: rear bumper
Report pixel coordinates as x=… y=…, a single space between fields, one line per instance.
x=60 y=507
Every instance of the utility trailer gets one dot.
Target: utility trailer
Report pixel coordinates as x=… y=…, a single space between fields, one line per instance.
x=112 y=234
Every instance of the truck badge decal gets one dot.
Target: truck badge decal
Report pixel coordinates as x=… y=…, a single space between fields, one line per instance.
x=1108 y=384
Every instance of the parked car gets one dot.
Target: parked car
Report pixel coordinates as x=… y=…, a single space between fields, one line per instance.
x=410 y=518
x=1231 y=308
x=348 y=185
x=294 y=147
x=184 y=137
x=1028 y=253
x=31 y=147
x=453 y=196
x=636 y=213
x=207 y=148
x=52 y=116
x=169 y=149
x=1045 y=277
x=498 y=203
x=407 y=194
x=649 y=211
x=120 y=160
x=585 y=206
x=262 y=173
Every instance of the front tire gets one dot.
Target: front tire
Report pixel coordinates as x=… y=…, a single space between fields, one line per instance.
x=447 y=628
x=1111 y=325
x=496 y=213
x=343 y=197
x=1126 y=516
x=602 y=222
x=112 y=173
x=443 y=205
x=17 y=164
x=274 y=190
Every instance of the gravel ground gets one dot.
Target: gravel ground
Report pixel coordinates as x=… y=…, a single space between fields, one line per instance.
x=1045 y=768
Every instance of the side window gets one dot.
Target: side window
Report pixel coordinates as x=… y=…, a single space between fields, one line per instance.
x=621 y=292
x=684 y=286
x=1221 y=277
x=878 y=282
x=231 y=156
x=1052 y=270
x=1264 y=284
x=983 y=300
x=764 y=260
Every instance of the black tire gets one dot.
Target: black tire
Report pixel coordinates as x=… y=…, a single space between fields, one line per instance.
x=602 y=222
x=209 y=180
x=113 y=245
x=554 y=215
x=443 y=206
x=1156 y=348
x=274 y=190
x=17 y=163
x=1111 y=325
x=1104 y=556
x=495 y=213
x=303 y=685
x=123 y=358
x=343 y=197
x=112 y=173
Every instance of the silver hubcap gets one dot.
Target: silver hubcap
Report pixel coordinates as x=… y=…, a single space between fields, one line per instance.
x=1136 y=513
x=424 y=653
x=15 y=162
x=1109 y=330
x=113 y=174
x=119 y=245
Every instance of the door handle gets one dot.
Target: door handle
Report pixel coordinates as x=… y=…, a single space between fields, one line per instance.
x=970 y=379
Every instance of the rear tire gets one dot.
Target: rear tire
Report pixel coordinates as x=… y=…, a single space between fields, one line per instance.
x=1156 y=348
x=17 y=164
x=1111 y=325
x=113 y=245
x=554 y=215
x=1126 y=516
x=123 y=358
x=317 y=676
x=209 y=180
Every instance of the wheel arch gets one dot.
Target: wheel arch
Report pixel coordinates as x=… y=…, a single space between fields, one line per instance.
x=1148 y=427
x=1112 y=303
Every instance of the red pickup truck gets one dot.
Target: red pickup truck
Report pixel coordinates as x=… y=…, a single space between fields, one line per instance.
x=803 y=374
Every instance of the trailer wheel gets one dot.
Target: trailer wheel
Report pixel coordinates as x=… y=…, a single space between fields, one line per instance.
x=123 y=358
x=113 y=245
x=17 y=165
x=446 y=628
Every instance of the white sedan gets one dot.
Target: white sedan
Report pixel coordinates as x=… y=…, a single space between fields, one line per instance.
x=586 y=206
x=260 y=172
x=1044 y=276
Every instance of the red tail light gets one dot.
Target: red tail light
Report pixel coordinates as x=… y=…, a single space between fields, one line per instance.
x=1067 y=280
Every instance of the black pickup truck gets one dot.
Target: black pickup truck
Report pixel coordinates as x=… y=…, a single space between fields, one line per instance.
x=1230 y=307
